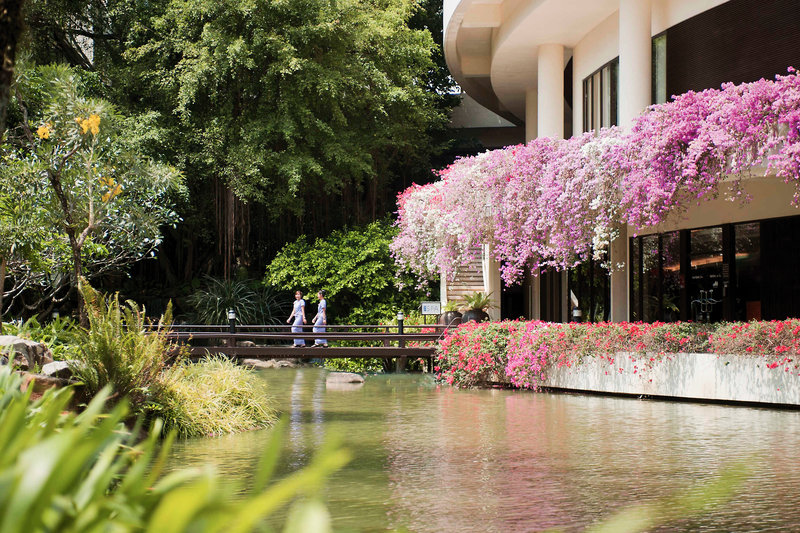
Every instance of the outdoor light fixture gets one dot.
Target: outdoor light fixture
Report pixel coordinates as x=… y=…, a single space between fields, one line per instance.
x=400 y=316
x=55 y=314
x=232 y=319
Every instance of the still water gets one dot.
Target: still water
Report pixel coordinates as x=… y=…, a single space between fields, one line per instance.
x=429 y=458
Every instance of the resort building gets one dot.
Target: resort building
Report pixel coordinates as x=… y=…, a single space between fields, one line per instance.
x=554 y=68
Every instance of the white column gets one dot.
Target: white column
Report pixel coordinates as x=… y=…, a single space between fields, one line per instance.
x=635 y=47
x=491 y=282
x=550 y=107
x=635 y=78
x=531 y=114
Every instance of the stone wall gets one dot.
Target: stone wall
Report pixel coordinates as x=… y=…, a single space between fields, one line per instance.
x=687 y=375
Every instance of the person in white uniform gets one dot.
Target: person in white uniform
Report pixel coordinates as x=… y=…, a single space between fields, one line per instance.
x=298 y=317
x=321 y=319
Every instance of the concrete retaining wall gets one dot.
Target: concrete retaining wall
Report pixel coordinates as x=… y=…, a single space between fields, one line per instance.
x=687 y=375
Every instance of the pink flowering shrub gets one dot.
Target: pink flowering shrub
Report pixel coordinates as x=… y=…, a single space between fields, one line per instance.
x=521 y=353
x=474 y=353
x=553 y=202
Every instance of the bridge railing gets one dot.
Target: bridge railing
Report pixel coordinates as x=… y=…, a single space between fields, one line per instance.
x=276 y=340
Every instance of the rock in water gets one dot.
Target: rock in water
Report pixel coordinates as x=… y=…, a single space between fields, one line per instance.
x=344 y=377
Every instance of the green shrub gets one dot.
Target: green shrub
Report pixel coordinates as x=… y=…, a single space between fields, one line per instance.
x=356 y=269
x=73 y=473
x=119 y=350
x=214 y=396
x=59 y=335
x=253 y=302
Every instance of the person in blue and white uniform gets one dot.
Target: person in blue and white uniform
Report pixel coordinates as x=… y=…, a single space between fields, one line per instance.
x=321 y=319
x=298 y=317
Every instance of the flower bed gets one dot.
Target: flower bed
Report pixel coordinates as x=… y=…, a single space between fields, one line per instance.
x=520 y=353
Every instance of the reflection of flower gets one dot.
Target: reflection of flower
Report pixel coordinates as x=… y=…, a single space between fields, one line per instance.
x=44 y=131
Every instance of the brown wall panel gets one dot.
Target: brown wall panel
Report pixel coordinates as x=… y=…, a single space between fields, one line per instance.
x=738 y=41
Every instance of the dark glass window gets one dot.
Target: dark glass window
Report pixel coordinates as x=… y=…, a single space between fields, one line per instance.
x=589 y=292
x=705 y=287
x=636 y=280
x=659 y=69
x=600 y=97
x=671 y=271
x=748 y=271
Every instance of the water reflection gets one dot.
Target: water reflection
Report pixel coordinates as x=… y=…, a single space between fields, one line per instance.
x=432 y=459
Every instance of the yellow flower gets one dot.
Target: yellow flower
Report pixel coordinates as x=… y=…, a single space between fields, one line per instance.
x=85 y=125
x=94 y=124
x=44 y=131
x=111 y=193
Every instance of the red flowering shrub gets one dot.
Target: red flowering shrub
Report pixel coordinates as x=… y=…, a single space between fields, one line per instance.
x=777 y=341
x=521 y=353
x=474 y=353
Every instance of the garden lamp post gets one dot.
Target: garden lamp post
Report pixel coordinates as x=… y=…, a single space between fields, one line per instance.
x=232 y=319
x=400 y=318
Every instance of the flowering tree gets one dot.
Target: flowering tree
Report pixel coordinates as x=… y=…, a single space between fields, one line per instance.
x=555 y=202
x=103 y=203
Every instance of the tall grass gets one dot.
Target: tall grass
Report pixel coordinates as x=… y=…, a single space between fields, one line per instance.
x=215 y=396
x=67 y=472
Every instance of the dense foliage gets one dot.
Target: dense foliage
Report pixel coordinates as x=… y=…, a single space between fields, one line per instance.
x=252 y=302
x=122 y=351
x=69 y=472
x=354 y=267
x=555 y=202
x=96 y=204
x=520 y=353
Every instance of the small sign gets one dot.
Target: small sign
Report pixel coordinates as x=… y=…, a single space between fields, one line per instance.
x=431 y=308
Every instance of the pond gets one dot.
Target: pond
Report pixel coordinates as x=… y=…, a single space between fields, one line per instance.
x=430 y=458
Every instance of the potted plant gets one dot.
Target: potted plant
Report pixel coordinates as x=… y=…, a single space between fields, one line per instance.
x=477 y=303
x=451 y=316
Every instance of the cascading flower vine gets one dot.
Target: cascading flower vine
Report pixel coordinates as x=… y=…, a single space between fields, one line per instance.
x=555 y=202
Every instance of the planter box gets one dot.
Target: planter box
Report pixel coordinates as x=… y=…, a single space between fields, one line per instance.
x=696 y=376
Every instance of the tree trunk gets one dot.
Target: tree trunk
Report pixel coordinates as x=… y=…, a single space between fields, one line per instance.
x=77 y=271
x=2 y=288
x=10 y=31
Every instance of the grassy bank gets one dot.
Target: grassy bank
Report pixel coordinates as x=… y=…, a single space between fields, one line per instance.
x=122 y=351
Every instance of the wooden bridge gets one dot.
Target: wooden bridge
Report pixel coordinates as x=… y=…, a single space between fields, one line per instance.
x=276 y=341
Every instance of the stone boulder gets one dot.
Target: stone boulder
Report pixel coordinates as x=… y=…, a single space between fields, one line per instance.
x=344 y=377
x=344 y=381
x=269 y=363
x=28 y=354
x=57 y=369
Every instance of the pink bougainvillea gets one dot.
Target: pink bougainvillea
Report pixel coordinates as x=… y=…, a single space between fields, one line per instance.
x=553 y=202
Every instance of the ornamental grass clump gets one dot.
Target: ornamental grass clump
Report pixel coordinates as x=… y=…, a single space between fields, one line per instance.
x=214 y=396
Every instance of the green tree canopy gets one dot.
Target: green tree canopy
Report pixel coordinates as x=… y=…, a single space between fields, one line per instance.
x=355 y=268
x=292 y=98
x=69 y=155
